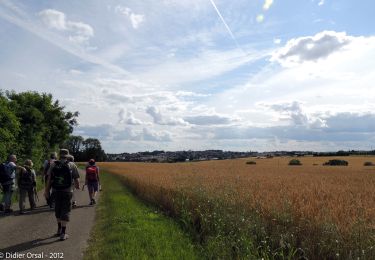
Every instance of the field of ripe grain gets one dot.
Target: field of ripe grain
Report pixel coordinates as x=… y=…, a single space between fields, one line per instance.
x=272 y=208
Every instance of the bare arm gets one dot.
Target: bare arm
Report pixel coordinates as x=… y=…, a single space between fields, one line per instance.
x=75 y=175
x=86 y=179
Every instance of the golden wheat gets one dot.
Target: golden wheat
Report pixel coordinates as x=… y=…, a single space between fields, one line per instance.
x=321 y=194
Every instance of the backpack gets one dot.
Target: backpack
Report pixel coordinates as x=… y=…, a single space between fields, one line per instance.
x=4 y=173
x=91 y=173
x=61 y=176
x=26 y=179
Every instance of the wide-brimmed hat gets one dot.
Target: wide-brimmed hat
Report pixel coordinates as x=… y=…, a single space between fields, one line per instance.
x=53 y=155
x=28 y=163
x=64 y=153
x=70 y=158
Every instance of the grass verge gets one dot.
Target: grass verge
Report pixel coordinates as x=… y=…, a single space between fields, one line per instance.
x=126 y=228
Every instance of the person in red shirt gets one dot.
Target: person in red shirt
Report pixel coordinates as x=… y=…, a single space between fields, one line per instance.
x=92 y=180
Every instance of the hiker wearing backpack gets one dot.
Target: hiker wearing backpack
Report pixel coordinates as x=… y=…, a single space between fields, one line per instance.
x=46 y=166
x=92 y=180
x=61 y=176
x=70 y=158
x=7 y=180
x=26 y=185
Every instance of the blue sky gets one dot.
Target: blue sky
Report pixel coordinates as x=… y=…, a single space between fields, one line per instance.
x=200 y=74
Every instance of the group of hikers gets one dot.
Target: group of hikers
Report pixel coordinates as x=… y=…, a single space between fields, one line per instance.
x=60 y=177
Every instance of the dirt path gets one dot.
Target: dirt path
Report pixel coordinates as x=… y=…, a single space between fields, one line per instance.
x=33 y=232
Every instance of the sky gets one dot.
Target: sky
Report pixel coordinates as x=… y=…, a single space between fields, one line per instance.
x=241 y=75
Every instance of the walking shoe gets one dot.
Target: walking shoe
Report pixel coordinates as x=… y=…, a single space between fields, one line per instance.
x=63 y=236
x=74 y=204
x=93 y=201
x=8 y=211
x=58 y=233
x=22 y=212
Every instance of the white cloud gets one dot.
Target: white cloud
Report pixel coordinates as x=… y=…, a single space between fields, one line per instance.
x=260 y=18
x=80 y=32
x=294 y=112
x=208 y=120
x=312 y=48
x=157 y=117
x=131 y=120
x=321 y=2
x=163 y=136
x=135 y=19
x=54 y=19
x=127 y=134
x=267 y=4
x=308 y=95
x=94 y=131
x=277 y=41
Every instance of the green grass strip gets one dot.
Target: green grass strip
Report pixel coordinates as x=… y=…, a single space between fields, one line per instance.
x=126 y=228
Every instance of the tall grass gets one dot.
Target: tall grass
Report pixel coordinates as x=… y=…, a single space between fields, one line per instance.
x=270 y=211
x=128 y=229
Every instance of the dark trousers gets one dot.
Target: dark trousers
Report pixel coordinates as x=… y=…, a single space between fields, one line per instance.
x=7 y=197
x=26 y=192
x=63 y=204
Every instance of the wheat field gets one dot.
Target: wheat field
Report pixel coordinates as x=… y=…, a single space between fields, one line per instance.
x=325 y=211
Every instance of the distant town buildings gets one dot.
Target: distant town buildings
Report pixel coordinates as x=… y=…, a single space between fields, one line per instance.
x=184 y=156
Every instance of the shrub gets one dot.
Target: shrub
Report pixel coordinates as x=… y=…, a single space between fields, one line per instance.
x=336 y=162
x=295 y=162
x=251 y=162
x=369 y=164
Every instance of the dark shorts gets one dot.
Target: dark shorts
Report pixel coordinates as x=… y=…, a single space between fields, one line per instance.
x=63 y=204
x=93 y=186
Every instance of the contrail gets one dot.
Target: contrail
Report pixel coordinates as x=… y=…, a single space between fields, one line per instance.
x=225 y=24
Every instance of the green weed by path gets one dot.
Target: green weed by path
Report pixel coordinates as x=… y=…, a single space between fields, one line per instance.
x=128 y=229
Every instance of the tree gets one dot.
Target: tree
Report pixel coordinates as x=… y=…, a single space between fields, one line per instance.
x=44 y=124
x=75 y=146
x=93 y=150
x=10 y=127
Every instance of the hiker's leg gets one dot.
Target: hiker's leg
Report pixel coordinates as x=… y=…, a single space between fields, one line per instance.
x=22 y=200
x=96 y=188
x=48 y=200
x=52 y=199
x=8 y=191
x=2 y=204
x=63 y=226
x=31 y=198
x=57 y=206
x=66 y=206
x=90 y=189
